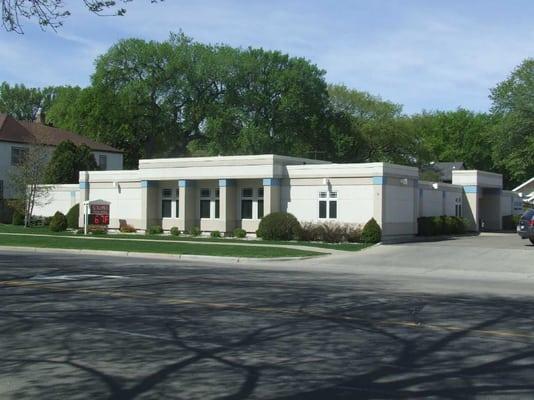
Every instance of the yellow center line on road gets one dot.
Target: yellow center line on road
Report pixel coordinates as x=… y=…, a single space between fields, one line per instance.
x=272 y=310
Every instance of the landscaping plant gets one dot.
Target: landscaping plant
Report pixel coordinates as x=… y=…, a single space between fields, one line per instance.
x=58 y=222
x=371 y=232
x=279 y=226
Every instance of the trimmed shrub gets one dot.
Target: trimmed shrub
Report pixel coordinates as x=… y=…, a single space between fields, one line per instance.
x=371 y=232
x=175 y=231
x=195 y=231
x=18 y=218
x=126 y=228
x=47 y=220
x=97 y=230
x=72 y=216
x=240 y=233
x=215 y=234
x=58 y=223
x=155 y=230
x=279 y=226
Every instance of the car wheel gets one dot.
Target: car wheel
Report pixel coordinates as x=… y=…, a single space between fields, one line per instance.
x=531 y=240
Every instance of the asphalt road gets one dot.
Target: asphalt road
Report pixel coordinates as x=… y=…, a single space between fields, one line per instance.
x=73 y=327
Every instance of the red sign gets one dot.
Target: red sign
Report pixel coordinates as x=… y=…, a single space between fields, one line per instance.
x=98 y=219
x=99 y=209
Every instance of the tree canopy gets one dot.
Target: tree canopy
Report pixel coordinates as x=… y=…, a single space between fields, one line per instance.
x=180 y=97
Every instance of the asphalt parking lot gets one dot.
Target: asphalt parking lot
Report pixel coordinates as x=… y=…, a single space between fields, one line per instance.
x=74 y=327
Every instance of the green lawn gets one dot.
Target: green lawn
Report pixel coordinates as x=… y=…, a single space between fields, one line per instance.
x=152 y=247
x=121 y=236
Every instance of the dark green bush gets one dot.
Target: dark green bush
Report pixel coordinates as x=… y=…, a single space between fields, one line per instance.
x=47 y=220
x=443 y=225
x=72 y=216
x=195 y=231
x=175 y=231
x=215 y=234
x=279 y=226
x=240 y=233
x=371 y=232
x=58 y=223
x=18 y=218
x=155 y=230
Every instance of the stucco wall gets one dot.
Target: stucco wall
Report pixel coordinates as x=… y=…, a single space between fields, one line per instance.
x=300 y=197
x=59 y=198
x=114 y=160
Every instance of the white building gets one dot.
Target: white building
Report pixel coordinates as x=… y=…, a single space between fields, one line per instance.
x=17 y=136
x=222 y=193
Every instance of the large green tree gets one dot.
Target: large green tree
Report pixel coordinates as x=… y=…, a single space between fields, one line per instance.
x=23 y=103
x=459 y=135
x=378 y=130
x=513 y=135
x=67 y=161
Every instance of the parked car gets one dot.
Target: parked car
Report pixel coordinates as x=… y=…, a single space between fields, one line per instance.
x=525 y=228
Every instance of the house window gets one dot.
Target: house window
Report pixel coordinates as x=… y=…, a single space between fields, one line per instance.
x=166 y=203
x=458 y=207
x=217 y=204
x=246 y=203
x=103 y=162
x=18 y=155
x=205 y=203
x=328 y=205
x=260 y=203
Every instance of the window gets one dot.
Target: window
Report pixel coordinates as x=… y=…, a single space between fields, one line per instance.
x=260 y=203
x=327 y=205
x=103 y=162
x=166 y=203
x=217 y=204
x=246 y=203
x=1 y=189
x=18 y=155
x=205 y=203
x=458 y=207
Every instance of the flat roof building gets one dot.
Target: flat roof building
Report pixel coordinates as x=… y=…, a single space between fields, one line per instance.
x=225 y=192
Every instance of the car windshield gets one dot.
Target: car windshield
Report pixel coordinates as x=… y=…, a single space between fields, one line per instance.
x=528 y=215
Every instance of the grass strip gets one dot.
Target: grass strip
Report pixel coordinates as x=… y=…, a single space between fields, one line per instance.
x=332 y=246
x=152 y=247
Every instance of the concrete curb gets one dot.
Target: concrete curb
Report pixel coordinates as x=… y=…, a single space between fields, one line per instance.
x=156 y=256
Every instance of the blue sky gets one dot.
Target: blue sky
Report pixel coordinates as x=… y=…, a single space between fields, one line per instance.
x=423 y=54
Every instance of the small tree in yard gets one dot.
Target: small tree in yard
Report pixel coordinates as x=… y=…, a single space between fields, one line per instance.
x=27 y=178
x=371 y=232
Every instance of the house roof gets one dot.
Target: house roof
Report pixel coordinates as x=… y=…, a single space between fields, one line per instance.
x=526 y=184
x=12 y=130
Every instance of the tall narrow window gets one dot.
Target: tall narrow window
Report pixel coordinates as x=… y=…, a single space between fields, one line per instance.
x=260 y=203
x=166 y=203
x=103 y=162
x=205 y=203
x=328 y=205
x=1 y=189
x=217 y=204
x=246 y=203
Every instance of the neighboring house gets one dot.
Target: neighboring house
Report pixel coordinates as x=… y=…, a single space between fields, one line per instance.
x=444 y=169
x=17 y=136
x=526 y=191
x=222 y=193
